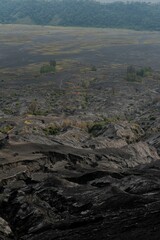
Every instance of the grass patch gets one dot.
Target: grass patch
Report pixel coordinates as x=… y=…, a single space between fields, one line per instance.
x=47 y=69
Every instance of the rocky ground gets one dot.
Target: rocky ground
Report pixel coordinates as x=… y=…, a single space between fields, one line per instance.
x=80 y=179
x=79 y=153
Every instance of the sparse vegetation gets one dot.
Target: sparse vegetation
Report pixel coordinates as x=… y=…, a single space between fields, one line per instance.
x=99 y=125
x=47 y=68
x=6 y=129
x=144 y=72
x=134 y=74
x=8 y=111
x=52 y=129
x=34 y=108
x=93 y=68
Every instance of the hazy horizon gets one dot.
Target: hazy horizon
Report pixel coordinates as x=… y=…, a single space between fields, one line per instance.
x=110 y=1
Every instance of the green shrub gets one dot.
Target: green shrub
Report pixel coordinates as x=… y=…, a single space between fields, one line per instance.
x=52 y=130
x=93 y=68
x=99 y=125
x=144 y=72
x=6 y=129
x=47 y=69
x=134 y=74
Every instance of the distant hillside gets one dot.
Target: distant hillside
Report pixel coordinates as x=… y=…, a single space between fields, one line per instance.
x=87 y=13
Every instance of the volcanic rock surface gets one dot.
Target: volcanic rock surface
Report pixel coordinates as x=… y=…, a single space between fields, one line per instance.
x=107 y=185
x=80 y=148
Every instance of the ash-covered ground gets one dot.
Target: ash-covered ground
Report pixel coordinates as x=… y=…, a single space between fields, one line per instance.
x=79 y=147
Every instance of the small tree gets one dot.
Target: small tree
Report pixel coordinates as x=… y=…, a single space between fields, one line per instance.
x=33 y=107
x=131 y=73
x=49 y=68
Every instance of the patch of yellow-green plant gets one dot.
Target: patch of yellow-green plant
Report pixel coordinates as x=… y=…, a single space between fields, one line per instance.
x=6 y=129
